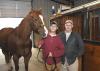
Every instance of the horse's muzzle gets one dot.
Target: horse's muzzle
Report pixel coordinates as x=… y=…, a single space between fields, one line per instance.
x=43 y=35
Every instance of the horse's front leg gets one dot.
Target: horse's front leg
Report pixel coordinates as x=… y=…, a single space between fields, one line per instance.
x=16 y=62
x=26 y=60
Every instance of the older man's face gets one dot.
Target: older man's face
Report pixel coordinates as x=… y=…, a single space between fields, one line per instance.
x=68 y=27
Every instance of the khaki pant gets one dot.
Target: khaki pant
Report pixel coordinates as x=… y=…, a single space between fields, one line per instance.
x=72 y=67
x=49 y=67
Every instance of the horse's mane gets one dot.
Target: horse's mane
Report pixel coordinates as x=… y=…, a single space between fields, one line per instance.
x=25 y=23
x=30 y=16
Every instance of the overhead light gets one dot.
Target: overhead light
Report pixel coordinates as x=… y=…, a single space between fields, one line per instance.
x=64 y=7
x=82 y=6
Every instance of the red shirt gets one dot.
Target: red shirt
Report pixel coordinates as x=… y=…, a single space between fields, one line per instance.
x=54 y=45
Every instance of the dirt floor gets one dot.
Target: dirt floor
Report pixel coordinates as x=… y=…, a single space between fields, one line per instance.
x=34 y=64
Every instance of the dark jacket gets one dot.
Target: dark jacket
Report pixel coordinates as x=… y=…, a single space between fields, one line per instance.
x=74 y=47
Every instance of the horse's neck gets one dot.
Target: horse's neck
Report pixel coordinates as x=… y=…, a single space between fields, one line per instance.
x=24 y=30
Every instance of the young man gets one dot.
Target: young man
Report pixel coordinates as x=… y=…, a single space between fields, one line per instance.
x=53 y=49
x=74 y=47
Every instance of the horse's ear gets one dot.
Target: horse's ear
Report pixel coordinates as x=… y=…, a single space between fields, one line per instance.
x=40 y=10
x=31 y=12
x=31 y=9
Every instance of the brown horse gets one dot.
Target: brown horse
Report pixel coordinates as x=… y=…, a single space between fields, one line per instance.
x=18 y=42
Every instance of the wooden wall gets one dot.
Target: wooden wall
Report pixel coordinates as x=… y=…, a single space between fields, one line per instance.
x=91 y=57
x=77 y=19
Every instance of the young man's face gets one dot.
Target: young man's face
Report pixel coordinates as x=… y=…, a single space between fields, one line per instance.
x=53 y=28
x=68 y=27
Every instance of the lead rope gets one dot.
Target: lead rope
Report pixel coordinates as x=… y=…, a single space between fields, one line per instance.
x=53 y=67
x=38 y=56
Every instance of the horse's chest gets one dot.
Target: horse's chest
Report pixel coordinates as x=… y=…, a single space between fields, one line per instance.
x=22 y=44
x=18 y=45
x=22 y=48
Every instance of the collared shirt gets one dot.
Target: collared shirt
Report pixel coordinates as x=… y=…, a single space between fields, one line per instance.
x=67 y=35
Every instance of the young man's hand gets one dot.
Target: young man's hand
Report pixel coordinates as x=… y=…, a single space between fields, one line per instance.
x=50 y=54
x=39 y=46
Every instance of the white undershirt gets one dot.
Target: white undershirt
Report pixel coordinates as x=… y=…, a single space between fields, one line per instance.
x=67 y=35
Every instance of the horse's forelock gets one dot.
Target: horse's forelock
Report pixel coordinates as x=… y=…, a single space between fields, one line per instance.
x=41 y=17
x=35 y=12
x=45 y=28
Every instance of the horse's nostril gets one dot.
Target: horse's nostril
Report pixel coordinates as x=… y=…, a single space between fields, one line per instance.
x=43 y=35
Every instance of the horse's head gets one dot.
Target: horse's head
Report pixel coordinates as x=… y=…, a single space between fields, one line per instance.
x=37 y=22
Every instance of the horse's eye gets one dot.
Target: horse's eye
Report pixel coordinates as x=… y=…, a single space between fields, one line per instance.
x=42 y=25
x=35 y=19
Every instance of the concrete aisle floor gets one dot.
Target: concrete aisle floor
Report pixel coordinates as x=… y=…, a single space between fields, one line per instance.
x=34 y=64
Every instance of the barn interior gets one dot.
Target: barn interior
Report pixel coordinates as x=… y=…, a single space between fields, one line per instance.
x=84 y=13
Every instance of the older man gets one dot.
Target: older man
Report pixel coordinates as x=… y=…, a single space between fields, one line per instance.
x=74 y=47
